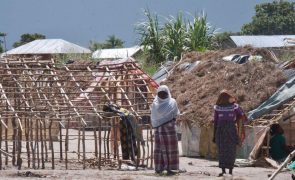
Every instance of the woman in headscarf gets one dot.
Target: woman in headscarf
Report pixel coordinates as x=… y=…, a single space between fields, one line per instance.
x=226 y=114
x=163 y=117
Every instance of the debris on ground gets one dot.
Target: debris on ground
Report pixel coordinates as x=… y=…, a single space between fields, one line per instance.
x=30 y=174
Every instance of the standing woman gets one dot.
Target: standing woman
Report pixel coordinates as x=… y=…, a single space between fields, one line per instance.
x=163 y=117
x=226 y=114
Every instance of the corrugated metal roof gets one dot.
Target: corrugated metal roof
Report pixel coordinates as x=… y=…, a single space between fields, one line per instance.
x=265 y=41
x=49 y=46
x=118 y=53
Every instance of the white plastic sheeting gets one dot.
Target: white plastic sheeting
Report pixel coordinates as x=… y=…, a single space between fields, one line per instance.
x=118 y=53
x=264 y=41
x=190 y=140
x=49 y=46
x=252 y=136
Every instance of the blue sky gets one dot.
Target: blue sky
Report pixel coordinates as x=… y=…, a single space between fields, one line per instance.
x=80 y=21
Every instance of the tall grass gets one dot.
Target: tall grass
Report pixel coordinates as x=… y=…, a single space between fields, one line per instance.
x=151 y=37
x=175 y=36
x=199 y=34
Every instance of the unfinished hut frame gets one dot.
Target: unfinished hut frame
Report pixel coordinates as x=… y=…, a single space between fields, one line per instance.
x=51 y=113
x=285 y=116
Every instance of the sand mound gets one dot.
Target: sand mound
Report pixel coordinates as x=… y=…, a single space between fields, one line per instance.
x=196 y=91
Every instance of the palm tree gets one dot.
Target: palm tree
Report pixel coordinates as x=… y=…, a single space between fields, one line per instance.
x=93 y=45
x=113 y=42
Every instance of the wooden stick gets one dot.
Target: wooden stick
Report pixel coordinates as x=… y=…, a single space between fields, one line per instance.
x=287 y=160
x=6 y=139
x=116 y=141
x=31 y=143
x=152 y=148
x=60 y=141
x=104 y=141
x=79 y=142
x=19 y=147
x=37 y=142
x=45 y=137
x=27 y=141
x=108 y=141
x=148 y=147
x=99 y=139
x=67 y=144
x=84 y=154
x=95 y=142
x=51 y=146
x=42 y=144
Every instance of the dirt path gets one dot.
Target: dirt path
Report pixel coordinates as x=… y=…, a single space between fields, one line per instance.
x=196 y=169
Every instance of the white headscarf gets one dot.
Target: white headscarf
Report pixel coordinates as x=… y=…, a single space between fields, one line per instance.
x=163 y=110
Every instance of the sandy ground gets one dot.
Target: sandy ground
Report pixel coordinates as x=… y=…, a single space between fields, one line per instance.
x=196 y=169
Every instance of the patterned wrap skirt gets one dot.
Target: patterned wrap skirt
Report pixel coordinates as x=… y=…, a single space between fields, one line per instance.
x=166 y=155
x=227 y=140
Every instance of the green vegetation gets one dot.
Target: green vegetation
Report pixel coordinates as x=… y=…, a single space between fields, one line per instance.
x=2 y=42
x=274 y=18
x=200 y=34
x=111 y=42
x=175 y=36
x=151 y=38
x=26 y=38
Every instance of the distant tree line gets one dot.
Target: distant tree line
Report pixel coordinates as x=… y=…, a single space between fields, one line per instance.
x=274 y=18
x=110 y=43
x=27 y=37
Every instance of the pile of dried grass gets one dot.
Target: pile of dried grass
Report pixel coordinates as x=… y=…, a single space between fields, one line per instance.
x=196 y=91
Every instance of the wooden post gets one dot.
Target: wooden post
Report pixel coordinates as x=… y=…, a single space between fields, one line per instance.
x=79 y=142
x=99 y=139
x=84 y=150
x=42 y=144
x=37 y=142
x=67 y=143
x=108 y=139
x=51 y=145
x=60 y=141
x=45 y=138
x=104 y=141
x=148 y=147
x=116 y=142
x=31 y=143
x=27 y=130
x=13 y=141
x=19 y=149
x=152 y=147
x=267 y=143
x=6 y=137
x=95 y=142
